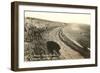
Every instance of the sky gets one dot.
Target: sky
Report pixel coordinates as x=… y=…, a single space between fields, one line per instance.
x=61 y=17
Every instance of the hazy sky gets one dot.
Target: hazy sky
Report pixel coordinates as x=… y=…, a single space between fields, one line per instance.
x=60 y=17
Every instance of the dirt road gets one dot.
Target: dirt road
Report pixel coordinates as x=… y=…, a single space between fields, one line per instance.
x=66 y=51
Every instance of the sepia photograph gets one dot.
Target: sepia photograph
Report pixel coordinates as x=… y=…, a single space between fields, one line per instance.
x=52 y=36
x=56 y=36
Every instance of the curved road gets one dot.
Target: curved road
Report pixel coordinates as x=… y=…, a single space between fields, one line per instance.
x=66 y=51
x=74 y=45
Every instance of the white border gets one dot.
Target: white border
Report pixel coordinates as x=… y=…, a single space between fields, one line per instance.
x=33 y=64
